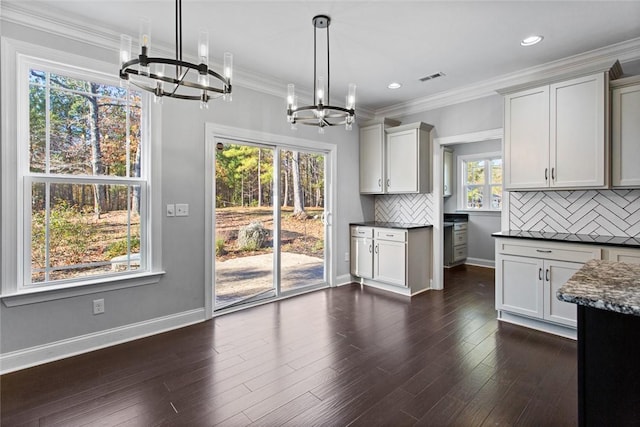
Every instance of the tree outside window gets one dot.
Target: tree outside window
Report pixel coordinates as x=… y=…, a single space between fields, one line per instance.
x=84 y=178
x=481 y=182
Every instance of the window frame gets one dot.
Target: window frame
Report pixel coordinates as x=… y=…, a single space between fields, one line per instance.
x=17 y=58
x=462 y=180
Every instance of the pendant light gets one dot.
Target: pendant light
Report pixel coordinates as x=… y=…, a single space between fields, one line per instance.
x=321 y=113
x=175 y=77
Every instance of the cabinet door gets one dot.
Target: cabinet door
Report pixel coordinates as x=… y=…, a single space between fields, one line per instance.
x=526 y=139
x=625 y=134
x=577 y=137
x=362 y=257
x=390 y=262
x=519 y=285
x=402 y=162
x=447 y=178
x=372 y=158
x=556 y=274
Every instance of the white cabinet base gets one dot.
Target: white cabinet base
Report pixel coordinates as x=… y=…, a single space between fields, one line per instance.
x=538 y=325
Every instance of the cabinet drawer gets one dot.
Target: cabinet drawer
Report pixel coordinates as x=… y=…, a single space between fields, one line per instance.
x=362 y=232
x=459 y=238
x=391 y=234
x=459 y=253
x=460 y=226
x=550 y=252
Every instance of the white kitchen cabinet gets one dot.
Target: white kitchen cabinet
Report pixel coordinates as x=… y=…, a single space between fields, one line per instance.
x=390 y=257
x=625 y=132
x=372 y=160
x=408 y=159
x=361 y=255
x=630 y=256
x=394 y=259
x=447 y=172
x=528 y=274
x=555 y=135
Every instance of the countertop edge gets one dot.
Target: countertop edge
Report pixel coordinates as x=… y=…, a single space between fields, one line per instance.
x=635 y=244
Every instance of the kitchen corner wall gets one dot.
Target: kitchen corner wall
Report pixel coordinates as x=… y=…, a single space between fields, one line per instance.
x=407 y=208
x=594 y=212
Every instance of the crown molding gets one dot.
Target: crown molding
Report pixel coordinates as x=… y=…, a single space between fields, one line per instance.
x=624 y=52
x=30 y=16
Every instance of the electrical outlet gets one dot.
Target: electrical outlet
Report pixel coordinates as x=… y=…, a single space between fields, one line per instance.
x=98 y=306
x=182 y=209
x=171 y=210
x=346 y=256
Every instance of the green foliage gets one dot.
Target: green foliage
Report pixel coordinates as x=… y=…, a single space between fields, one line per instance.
x=119 y=247
x=220 y=246
x=69 y=234
x=252 y=237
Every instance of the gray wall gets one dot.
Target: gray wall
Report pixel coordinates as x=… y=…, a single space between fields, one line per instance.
x=183 y=171
x=481 y=224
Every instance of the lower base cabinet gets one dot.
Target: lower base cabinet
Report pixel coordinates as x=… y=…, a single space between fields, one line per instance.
x=398 y=260
x=528 y=276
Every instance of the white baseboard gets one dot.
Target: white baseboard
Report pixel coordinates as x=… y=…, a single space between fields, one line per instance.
x=45 y=353
x=344 y=279
x=481 y=262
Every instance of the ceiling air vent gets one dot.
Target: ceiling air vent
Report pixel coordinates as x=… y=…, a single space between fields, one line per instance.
x=432 y=76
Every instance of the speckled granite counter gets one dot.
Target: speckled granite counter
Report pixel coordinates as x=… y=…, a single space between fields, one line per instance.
x=607 y=285
x=608 y=297
x=620 y=241
x=399 y=225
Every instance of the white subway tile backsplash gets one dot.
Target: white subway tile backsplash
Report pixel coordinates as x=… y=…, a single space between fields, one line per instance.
x=407 y=208
x=597 y=212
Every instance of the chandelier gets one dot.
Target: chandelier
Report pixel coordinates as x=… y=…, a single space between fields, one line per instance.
x=175 y=78
x=322 y=113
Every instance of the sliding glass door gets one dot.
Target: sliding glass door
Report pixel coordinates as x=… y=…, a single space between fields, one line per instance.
x=269 y=216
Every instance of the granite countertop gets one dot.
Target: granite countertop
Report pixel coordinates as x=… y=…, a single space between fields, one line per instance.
x=607 y=285
x=399 y=225
x=629 y=242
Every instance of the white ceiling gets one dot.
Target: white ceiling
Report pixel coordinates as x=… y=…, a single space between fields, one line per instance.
x=373 y=42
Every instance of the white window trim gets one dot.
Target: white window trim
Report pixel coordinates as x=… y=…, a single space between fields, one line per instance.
x=11 y=221
x=461 y=180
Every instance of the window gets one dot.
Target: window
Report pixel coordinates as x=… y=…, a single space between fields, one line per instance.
x=480 y=182
x=83 y=176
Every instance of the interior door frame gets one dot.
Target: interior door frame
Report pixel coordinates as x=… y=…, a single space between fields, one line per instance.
x=438 y=206
x=215 y=131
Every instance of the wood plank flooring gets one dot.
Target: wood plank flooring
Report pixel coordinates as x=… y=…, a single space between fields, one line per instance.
x=336 y=357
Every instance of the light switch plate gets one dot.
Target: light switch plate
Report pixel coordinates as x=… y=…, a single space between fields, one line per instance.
x=171 y=210
x=182 y=209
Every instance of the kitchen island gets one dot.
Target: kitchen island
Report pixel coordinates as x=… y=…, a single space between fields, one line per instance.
x=608 y=297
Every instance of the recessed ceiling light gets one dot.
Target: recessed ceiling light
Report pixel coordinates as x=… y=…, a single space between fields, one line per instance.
x=531 y=40
x=394 y=85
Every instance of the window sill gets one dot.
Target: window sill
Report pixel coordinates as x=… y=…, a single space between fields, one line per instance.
x=33 y=296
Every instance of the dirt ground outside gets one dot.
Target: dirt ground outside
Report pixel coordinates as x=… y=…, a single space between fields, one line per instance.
x=241 y=273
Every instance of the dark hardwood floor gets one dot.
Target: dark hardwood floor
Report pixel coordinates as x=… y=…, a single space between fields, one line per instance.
x=337 y=357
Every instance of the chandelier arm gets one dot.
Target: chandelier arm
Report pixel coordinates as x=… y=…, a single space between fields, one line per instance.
x=328 y=97
x=315 y=60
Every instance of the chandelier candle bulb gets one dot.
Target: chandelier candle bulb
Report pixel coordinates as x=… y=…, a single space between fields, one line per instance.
x=351 y=97
x=228 y=73
x=203 y=47
x=145 y=42
x=125 y=48
x=320 y=90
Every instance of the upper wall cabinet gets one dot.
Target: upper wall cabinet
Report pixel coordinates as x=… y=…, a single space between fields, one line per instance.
x=408 y=158
x=372 y=160
x=447 y=172
x=395 y=160
x=556 y=136
x=625 y=132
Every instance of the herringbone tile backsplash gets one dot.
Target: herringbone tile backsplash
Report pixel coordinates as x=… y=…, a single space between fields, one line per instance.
x=595 y=212
x=406 y=208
